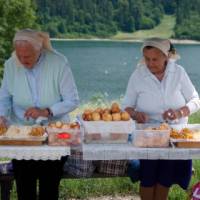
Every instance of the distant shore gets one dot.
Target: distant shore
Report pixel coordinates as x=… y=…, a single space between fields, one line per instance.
x=174 y=41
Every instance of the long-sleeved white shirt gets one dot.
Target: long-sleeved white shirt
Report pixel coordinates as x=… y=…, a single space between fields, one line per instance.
x=64 y=88
x=147 y=94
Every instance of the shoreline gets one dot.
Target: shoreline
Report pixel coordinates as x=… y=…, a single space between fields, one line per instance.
x=174 y=41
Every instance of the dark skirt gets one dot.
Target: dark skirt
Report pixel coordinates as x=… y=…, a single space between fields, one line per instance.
x=165 y=172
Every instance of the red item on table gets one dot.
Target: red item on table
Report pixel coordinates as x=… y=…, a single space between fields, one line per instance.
x=64 y=135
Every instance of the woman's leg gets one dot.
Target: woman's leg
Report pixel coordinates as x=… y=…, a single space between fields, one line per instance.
x=25 y=176
x=49 y=179
x=148 y=178
x=147 y=193
x=161 y=192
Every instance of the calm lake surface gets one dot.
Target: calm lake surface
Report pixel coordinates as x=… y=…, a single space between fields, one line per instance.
x=104 y=67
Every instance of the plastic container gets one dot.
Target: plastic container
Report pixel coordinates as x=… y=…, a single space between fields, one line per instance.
x=107 y=132
x=146 y=136
x=63 y=137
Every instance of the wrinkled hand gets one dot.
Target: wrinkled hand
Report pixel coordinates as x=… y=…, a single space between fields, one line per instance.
x=141 y=117
x=171 y=114
x=34 y=113
x=3 y=121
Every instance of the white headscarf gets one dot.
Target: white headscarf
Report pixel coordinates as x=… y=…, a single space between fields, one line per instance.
x=159 y=43
x=163 y=45
x=36 y=38
x=39 y=40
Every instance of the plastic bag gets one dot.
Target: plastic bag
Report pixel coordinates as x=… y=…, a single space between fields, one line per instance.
x=195 y=195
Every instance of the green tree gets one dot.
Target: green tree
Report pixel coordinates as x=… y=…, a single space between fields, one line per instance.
x=14 y=15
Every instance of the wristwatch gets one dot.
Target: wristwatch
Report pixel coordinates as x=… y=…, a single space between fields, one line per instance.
x=182 y=113
x=50 y=113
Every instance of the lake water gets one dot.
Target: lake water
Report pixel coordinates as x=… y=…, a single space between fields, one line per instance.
x=104 y=67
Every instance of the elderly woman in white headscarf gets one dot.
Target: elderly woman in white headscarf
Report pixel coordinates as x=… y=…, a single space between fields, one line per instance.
x=37 y=83
x=159 y=90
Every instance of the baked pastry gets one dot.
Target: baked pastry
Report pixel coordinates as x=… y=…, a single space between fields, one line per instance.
x=99 y=110
x=125 y=116
x=58 y=124
x=18 y=132
x=75 y=125
x=66 y=126
x=115 y=108
x=87 y=115
x=116 y=117
x=107 y=110
x=107 y=117
x=96 y=116
x=37 y=131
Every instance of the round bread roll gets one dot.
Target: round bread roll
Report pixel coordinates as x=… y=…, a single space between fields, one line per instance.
x=87 y=115
x=164 y=126
x=99 y=110
x=107 y=110
x=75 y=125
x=88 y=111
x=96 y=116
x=125 y=116
x=107 y=117
x=37 y=131
x=66 y=126
x=115 y=108
x=59 y=124
x=116 y=117
x=52 y=125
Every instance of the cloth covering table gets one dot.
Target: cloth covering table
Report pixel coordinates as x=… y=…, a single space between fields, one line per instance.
x=43 y=152
x=129 y=152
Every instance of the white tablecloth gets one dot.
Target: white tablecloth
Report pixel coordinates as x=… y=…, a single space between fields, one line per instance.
x=44 y=152
x=128 y=151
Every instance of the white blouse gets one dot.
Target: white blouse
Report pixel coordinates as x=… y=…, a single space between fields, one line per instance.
x=149 y=95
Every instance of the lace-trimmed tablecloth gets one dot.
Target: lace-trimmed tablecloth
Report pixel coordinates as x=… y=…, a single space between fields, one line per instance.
x=44 y=152
x=127 y=151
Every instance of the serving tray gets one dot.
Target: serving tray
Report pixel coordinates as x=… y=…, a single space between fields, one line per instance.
x=28 y=141
x=186 y=143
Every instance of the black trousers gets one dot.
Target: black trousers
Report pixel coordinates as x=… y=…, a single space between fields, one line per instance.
x=27 y=172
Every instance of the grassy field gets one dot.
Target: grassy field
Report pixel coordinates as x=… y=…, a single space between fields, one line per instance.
x=164 y=30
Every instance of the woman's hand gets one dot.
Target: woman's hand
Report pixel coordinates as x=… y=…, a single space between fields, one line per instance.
x=171 y=114
x=140 y=117
x=34 y=113
x=3 y=121
x=176 y=114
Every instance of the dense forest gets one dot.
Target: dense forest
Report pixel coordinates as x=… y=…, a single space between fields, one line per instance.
x=97 y=17
x=94 y=18
x=103 y=18
x=187 y=19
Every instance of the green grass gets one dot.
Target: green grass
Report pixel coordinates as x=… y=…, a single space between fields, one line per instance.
x=85 y=188
x=164 y=30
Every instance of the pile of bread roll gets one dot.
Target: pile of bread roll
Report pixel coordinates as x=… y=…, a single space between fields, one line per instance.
x=37 y=131
x=161 y=127
x=24 y=131
x=113 y=113
x=64 y=125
